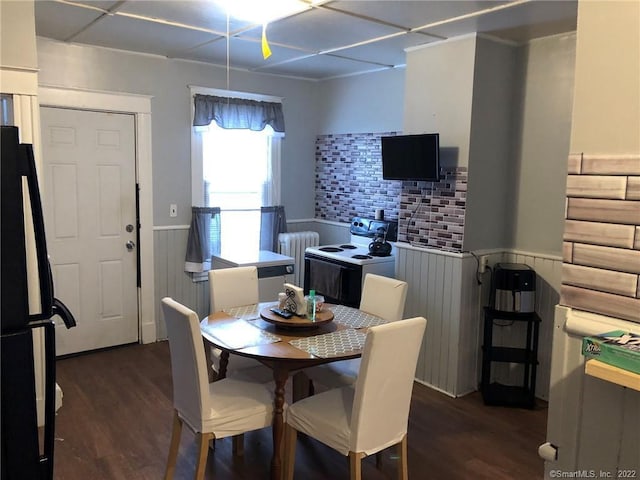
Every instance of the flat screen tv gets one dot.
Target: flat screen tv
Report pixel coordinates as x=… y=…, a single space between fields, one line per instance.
x=411 y=157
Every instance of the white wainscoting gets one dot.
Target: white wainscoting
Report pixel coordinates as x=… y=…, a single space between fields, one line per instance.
x=170 y=246
x=548 y=277
x=594 y=424
x=443 y=288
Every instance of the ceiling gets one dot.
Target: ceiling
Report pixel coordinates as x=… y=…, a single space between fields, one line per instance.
x=330 y=39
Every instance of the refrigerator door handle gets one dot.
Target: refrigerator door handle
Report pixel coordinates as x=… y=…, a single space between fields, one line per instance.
x=45 y=278
x=61 y=309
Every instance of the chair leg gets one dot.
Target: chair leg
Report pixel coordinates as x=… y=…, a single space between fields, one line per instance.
x=355 y=465
x=202 y=440
x=238 y=445
x=403 y=467
x=290 y=438
x=173 y=446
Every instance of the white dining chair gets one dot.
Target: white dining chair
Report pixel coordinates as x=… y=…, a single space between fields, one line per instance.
x=365 y=418
x=382 y=297
x=228 y=288
x=226 y=408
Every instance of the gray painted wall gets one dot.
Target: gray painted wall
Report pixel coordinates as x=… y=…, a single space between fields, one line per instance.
x=371 y=103
x=17 y=35
x=545 y=133
x=490 y=178
x=167 y=81
x=439 y=94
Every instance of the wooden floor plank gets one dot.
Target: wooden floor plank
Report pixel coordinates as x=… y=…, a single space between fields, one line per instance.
x=116 y=419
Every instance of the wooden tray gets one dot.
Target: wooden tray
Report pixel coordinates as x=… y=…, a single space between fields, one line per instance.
x=325 y=316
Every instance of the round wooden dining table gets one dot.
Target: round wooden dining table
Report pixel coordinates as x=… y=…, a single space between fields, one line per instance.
x=268 y=342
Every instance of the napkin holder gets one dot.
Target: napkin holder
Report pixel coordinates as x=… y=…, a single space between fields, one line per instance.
x=294 y=301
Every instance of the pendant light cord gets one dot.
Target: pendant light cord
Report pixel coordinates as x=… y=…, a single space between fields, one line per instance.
x=228 y=41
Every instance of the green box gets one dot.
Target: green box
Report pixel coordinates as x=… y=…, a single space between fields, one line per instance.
x=617 y=348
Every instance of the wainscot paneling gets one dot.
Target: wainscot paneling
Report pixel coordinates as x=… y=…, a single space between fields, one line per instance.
x=170 y=246
x=443 y=288
x=548 y=274
x=593 y=424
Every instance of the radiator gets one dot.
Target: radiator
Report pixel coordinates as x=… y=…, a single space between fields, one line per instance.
x=293 y=245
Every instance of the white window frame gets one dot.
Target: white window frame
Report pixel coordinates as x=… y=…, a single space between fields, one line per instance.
x=197 y=182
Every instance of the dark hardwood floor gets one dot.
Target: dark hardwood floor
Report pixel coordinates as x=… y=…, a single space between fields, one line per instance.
x=115 y=423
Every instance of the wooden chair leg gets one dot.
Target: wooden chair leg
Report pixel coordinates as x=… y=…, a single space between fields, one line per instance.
x=355 y=465
x=238 y=445
x=202 y=440
x=403 y=467
x=290 y=438
x=173 y=446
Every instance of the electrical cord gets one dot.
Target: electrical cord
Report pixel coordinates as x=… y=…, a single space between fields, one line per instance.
x=415 y=211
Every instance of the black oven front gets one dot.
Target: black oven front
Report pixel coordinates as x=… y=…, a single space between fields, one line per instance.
x=339 y=282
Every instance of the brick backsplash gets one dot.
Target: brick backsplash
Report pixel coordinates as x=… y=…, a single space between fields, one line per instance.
x=349 y=182
x=432 y=213
x=349 y=178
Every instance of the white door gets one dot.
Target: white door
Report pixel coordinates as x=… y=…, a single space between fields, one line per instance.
x=90 y=216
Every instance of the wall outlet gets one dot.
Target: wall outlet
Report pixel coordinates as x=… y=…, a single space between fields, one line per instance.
x=482 y=263
x=173 y=210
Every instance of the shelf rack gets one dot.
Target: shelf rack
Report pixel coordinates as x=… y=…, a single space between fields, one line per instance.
x=494 y=393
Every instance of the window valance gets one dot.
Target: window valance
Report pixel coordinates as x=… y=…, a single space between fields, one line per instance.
x=237 y=113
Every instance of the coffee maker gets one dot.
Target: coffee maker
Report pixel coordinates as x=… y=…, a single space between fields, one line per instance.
x=513 y=288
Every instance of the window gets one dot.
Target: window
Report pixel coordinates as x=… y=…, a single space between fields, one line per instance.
x=237 y=170
x=6 y=109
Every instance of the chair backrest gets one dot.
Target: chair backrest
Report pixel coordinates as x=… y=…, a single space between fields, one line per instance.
x=383 y=297
x=233 y=287
x=188 y=365
x=383 y=389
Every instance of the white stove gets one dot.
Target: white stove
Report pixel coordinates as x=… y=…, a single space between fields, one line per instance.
x=356 y=252
x=338 y=271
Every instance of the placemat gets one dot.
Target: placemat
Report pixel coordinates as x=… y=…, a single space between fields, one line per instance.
x=332 y=344
x=247 y=312
x=354 y=318
x=241 y=334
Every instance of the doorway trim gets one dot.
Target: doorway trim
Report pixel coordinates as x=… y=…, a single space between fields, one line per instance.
x=140 y=107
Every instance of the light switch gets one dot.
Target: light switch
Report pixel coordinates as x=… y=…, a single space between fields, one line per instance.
x=173 y=210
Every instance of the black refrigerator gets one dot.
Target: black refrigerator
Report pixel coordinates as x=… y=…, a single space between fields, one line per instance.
x=28 y=304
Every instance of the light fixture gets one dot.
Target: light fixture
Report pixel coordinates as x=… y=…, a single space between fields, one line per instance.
x=263 y=11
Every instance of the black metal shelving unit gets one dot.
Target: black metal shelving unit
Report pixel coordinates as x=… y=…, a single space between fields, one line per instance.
x=494 y=393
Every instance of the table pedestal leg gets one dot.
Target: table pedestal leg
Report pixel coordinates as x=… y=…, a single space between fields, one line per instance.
x=224 y=361
x=280 y=377
x=209 y=360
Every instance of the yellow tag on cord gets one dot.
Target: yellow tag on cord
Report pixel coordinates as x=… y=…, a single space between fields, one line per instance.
x=266 y=51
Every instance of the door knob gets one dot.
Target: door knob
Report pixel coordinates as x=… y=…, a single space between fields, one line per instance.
x=130 y=245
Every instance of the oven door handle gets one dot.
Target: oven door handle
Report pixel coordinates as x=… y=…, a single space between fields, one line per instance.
x=341 y=264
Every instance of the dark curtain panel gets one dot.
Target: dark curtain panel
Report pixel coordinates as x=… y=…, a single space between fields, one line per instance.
x=273 y=222
x=204 y=238
x=237 y=113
